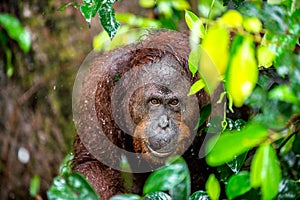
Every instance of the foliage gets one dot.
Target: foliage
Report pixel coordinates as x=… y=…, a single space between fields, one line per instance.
x=259 y=61
x=70 y=185
x=173 y=178
x=14 y=30
x=89 y=9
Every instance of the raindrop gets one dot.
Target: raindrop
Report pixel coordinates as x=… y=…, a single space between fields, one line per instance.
x=23 y=155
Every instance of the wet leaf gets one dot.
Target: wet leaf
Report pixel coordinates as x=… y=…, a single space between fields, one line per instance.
x=238 y=184
x=288 y=189
x=174 y=177
x=157 y=196
x=237 y=162
x=73 y=186
x=265 y=171
x=199 y=195
x=90 y=8
x=242 y=73
x=212 y=187
x=224 y=148
x=107 y=18
x=126 y=197
x=16 y=31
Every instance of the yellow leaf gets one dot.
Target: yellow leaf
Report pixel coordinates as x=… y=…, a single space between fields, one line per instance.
x=214 y=56
x=232 y=19
x=265 y=56
x=243 y=71
x=252 y=24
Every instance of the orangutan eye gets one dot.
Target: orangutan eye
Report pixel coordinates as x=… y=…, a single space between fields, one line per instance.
x=174 y=102
x=154 y=101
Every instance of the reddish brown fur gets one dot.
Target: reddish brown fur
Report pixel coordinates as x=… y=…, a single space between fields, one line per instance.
x=105 y=180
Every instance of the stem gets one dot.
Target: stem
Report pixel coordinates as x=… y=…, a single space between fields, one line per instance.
x=209 y=13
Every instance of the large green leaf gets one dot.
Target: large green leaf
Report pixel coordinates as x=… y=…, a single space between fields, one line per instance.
x=174 y=177
x=224 y=148
x=265 y=171
x=157 y=196
x=238 y=184
x=199 y=195
x=107 y=18
x=16 y=31
x=73 y=186
x=242 y=73
x=90 y=8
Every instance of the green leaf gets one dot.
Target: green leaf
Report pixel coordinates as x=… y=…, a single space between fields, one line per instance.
x=15 y=30
x=283 y=93
x=157 y=196
x=199 y=195
x=265 y=171
x=204 y=114
x=73 y=186
x=89 y=9
x=242 y=73
x=193 y=61
x=107 y=18
x=126 y=197
x=34 y=185
x=238 y=184
x=194 y=23
x=174 y=177
x=213 y=187
x=196 y=87
x=224 y=148
x=294 y=25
